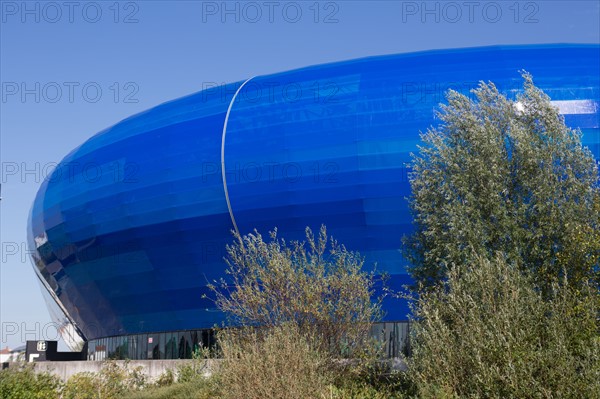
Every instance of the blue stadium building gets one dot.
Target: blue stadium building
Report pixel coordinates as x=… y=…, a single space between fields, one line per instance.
x=132 y=224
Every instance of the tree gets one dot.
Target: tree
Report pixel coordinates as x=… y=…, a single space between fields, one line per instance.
x=318 y=285
x=504 y=176
x=489 y=332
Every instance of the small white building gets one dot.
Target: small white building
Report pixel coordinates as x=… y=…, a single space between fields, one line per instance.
x=12 y=355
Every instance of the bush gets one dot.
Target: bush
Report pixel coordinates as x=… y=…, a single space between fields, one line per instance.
x=111 y=382
x=276 y=363
x=165 y=379
x=84 y=385
x=389 y=386
x=197 y=368
x=362 y=391
x=199 y=388
x=316 y=284
x=22 y=382
x=303 y=306
x=489 y=332
x=504 y=176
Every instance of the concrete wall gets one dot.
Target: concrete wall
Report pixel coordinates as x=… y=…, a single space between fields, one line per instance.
x=152 y=368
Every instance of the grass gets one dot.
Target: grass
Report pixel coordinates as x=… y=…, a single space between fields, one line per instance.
x=196 y=389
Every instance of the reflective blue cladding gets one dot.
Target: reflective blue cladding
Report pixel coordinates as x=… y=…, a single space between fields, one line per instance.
x=132 y=224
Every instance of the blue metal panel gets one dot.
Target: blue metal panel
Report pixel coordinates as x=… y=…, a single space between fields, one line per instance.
x=133 y=223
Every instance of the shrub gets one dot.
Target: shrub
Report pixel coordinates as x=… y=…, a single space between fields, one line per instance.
x=199 y=388
x=362 y=391
x=276 y=363
x=387 y=386
x=489 y=332
x=84 y=385
x=197 y=368
x=316 y=284
x=504 y=176
x=22 y=382
x=111 y=382
x=116 y=379
x=303 y=306
x=165 y=379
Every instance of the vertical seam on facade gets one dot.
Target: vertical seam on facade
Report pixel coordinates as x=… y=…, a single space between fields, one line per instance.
x=223 y=176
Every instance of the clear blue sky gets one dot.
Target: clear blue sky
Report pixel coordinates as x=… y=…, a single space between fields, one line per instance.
x=142 y=53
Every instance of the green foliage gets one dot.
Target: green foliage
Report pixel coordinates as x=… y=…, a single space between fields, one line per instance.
x=362 y=391
x=197 y=368
x=316 y=284
x=83 y=385
x=488 y=332
x=280 y=362
x=198 y=388
x=22 y=382
x=111 y=382
x=165 y=379
x=504 y=176
x=378 y=384
x=303 y=306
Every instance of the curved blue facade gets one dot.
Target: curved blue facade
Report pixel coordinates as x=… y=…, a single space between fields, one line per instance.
x=132 y=224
